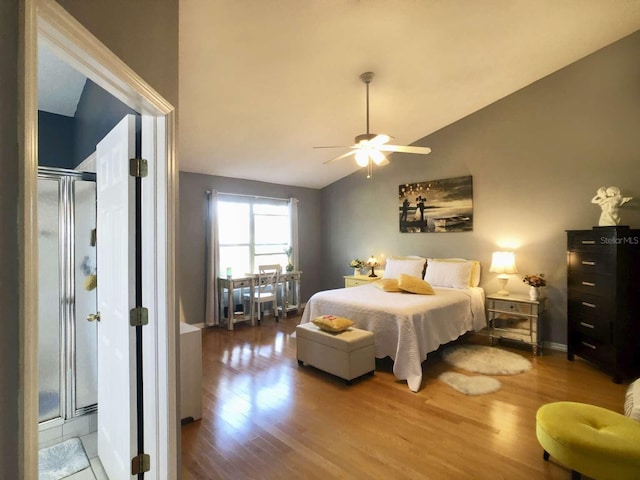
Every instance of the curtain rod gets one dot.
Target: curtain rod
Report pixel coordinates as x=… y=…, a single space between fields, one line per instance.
x=208 y=192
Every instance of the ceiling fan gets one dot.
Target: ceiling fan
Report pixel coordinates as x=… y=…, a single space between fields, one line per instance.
x=369 y=147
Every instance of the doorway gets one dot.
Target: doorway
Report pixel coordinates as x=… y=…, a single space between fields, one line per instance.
x=46 y=21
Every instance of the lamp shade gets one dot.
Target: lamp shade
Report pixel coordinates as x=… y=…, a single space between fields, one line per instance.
x=503 y=262
x=372 y=262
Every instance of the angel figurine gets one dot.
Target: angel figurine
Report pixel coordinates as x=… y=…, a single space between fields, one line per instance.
x=610 y=200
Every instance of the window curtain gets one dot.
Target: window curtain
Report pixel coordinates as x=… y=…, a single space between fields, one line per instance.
x=212 y=312
x=293 y=215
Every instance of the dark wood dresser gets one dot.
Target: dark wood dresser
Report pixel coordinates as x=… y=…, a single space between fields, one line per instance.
x=603 y=315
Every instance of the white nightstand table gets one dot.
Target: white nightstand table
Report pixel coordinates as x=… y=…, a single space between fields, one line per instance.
x=516 y=317
x=355 y=280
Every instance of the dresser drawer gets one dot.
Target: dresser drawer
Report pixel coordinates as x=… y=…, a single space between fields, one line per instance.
x=592 y=349
x=590 y=305
x=590 y=241
x=592 y=284
x=590 y=262
x=592 y=327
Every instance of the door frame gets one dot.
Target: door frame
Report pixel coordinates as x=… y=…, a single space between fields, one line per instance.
x=45 y=20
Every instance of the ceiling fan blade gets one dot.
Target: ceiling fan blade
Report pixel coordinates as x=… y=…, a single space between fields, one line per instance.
x=336 y=146
x=404 y=149
x=379 y=140
x=344 y=155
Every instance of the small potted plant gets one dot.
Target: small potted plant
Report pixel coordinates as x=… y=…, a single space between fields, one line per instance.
x=535 y=281
x=289 y=252
x=357 y=264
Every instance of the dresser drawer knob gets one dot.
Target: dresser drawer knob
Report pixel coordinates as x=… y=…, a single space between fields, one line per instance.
x=588 y=284
x=588 y=262
x=592 y=347
x=588 y=242
x=590 y=305
x=588 y=325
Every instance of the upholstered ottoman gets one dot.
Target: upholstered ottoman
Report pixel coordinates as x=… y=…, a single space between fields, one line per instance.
x=591 y=440
x=347 y=354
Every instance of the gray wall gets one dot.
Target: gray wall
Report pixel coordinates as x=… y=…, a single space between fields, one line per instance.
x=97 y=113
x=9 y=331
x=192 y=231
x=536 y=157
x=152 y=52
x=55 y=140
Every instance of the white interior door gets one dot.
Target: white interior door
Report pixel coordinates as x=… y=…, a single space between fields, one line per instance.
x=115 y=221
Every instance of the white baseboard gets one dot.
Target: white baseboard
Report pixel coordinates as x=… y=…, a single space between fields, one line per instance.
x=560 y=347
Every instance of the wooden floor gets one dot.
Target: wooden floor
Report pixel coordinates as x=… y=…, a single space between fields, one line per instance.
x=264 y=417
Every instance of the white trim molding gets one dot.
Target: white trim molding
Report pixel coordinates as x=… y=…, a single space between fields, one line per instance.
x=46 y=21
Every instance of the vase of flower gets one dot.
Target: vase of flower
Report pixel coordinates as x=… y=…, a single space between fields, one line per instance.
x=534 y=293
x=535 y=281
x=356 y=264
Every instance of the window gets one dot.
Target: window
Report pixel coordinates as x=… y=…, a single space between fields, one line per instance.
x=252 y=232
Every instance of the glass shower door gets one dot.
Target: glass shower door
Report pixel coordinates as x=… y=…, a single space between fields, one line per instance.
x=85 y=381
x=50 y=352
x=68 y=361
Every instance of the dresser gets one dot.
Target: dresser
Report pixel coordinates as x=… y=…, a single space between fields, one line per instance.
x=603 y=298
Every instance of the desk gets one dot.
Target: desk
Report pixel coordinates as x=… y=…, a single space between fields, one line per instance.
x=290 y=296
x=230 y=285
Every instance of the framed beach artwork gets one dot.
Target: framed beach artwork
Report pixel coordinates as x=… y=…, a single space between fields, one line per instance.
x=436 y=206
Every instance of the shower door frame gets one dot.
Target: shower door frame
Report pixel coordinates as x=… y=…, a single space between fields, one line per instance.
x=66 y=179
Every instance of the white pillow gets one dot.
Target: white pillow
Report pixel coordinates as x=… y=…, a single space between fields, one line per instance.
x=632 y=401
x=413 y=266
x=448 y=274
x=474 y=278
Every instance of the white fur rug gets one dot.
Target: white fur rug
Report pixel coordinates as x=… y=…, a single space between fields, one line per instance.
x=487 y=360
x=475 y=385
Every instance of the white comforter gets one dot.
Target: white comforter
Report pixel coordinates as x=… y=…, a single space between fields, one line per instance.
x=407 y=327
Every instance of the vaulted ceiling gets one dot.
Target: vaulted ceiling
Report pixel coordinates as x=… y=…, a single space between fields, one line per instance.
x=263 y=82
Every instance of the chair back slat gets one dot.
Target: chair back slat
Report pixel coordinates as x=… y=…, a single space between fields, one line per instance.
x=268 y=276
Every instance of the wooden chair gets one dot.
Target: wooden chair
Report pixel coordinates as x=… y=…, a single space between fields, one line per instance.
x=266 y=289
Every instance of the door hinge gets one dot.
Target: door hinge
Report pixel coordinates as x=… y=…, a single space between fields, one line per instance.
x=138 y=316
x=138 y=167
x=140 y=464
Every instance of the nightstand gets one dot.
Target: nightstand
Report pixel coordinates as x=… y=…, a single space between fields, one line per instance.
x=355 y=280
x=516 y=317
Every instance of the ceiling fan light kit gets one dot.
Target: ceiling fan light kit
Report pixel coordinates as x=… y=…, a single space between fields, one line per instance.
x=369 y=147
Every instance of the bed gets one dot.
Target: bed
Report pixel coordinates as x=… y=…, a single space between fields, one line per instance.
x=406 y=326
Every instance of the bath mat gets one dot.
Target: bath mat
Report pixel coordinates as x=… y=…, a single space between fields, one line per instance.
x=62 y=460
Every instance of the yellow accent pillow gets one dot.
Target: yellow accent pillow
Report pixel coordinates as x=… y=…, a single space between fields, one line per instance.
x=388 y=285
x=331 y=323
x=414 y=285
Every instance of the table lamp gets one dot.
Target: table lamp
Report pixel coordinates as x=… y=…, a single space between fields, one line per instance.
x=503 y=263
x=373 y=263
